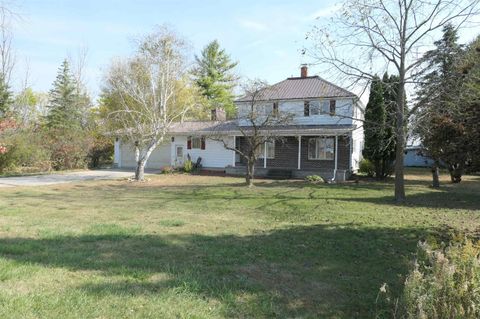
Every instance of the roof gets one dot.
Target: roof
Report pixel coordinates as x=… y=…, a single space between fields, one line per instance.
x=301 y=88
x=232 y=128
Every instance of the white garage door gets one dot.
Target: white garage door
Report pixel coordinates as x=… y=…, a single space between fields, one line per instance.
x=160 y=156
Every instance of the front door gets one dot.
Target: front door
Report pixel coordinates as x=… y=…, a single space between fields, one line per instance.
x=178 y=155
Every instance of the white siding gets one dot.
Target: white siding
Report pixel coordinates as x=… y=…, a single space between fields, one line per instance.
x=159 y=158
x=214 y=155
x=343 y=108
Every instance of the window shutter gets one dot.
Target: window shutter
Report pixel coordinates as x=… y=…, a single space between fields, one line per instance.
x=332 y=106
x=189 y=143
x=275 y=108
x=306 y=108
x=202 y=147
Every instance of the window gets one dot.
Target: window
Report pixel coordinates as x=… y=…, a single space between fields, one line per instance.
x=333 y=105
x=321 y=148
x=311 y=108
x=270 y=150
x=267 y=109
x=194 y=142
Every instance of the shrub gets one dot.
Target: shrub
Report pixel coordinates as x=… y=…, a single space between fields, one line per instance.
x=444 y=283
x=168 y=170
x=367 y=167
x=314 y=179
x=100 y=152
x=25 y=153
x=188 y=166
x=69 y=148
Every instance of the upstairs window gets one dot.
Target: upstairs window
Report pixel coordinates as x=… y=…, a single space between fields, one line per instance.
x=311 y=108
x=267 y=109
x=321 y=148
x=333 y=105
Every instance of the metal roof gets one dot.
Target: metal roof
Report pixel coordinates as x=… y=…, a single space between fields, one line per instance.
x=232 y=128
x=300 y=88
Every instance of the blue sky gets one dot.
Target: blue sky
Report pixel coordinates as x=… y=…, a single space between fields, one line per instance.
x=264 y=36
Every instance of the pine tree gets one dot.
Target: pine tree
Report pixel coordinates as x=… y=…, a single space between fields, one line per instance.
x=6 y=99
x=438 y=120
x=213 y=74
x=63 y=111
x=390 y=88
x=374 y=126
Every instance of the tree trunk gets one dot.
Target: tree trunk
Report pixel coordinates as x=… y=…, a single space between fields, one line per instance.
x=140 y=171
x=400 y=145
x=435 y=176
x=250 y=173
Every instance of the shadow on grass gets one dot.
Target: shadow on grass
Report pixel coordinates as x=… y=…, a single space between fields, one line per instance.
x=314 y=271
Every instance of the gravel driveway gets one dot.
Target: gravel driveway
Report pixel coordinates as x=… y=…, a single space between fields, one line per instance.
x=61 y=178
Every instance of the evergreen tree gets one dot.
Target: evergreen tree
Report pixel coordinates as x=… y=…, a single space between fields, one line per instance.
x=63 y=110
x=6 y=98
x=390 y=90
x=439 y=120
x=213 y=74
x=374 y=126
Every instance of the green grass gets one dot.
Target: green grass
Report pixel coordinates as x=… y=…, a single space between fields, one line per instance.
x=184 y=246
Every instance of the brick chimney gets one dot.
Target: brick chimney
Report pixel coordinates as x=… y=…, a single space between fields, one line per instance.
x=304 y=71
x=218 y=114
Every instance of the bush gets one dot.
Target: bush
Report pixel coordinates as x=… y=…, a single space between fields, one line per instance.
x=188 y=166
x=25 y=153
x=69 y=149
x=314 y=179
x=444 y=283
x=168 y=170
x=101 y=152
x=367 y=168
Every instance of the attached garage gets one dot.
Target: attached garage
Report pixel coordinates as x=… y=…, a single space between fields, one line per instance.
x=160 y=156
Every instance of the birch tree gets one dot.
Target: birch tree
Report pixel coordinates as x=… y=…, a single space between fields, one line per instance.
x=368 y=37
x=148 y=92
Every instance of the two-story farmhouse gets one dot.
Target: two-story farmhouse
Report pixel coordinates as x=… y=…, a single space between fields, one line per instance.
x=323 y=137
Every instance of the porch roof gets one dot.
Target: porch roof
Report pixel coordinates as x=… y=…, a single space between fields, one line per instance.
x=232 y=128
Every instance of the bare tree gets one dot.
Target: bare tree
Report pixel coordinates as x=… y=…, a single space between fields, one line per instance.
x=368 y=37
x=257 y=122
x=149 y=92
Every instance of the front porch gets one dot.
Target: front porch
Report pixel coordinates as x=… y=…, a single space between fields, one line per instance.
x=326 y=155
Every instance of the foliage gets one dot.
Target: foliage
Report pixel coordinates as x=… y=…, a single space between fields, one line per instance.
x=314 y=179
x=6 y=97
x=145 y=94
x=445 y=283
x=213 y=74
x=26 y=152
x=366 y=167
x=64 y=110
x=440 y=116
x=168 y=169
x=101 y=151
x=188 y=166
x=69 y=148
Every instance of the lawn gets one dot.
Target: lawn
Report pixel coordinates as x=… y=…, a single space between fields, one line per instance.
x=207 y=247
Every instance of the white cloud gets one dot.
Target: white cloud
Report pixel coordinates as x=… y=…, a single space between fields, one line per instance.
x=253 y=25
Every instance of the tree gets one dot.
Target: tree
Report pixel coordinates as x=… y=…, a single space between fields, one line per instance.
x=256 y=125
x=213 y=74
x=146 y=93
x=469 y=67
x=385 y=34
x=439 y=122
x=374 y=127
x=63 y=112
x=7 y=59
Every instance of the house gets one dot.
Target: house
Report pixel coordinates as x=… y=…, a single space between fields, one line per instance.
x=415 y=158
x=324 y=136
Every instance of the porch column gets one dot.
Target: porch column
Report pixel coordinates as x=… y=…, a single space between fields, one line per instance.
x=336 y=156
x=299 y=151
x=234 y=153
x=265 y=155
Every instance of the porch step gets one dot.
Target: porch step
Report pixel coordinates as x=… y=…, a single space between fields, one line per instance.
x=279 y=174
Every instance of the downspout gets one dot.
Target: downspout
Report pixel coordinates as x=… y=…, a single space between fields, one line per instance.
x=336 y=160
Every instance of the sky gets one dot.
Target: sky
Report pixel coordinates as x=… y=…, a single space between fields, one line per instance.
x=265 y=37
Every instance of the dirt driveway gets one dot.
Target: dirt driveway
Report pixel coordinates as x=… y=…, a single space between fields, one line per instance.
x=61 y=178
